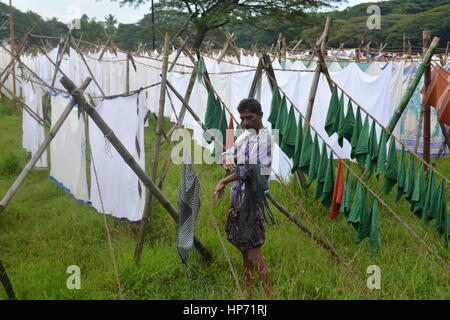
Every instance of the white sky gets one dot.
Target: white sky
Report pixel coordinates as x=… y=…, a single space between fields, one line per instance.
x=65 y=10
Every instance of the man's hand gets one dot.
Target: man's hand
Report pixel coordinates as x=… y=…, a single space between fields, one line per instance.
x=230 y=163
x=218 y=191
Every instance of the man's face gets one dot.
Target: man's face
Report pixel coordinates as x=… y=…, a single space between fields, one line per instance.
x=250 y=120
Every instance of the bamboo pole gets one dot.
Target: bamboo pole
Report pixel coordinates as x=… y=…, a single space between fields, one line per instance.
x=426 y=109
x=13 y=50
x=59 y=58
x=127 y=157
x=315 y=82
x=156 y=151
x=412 y=86
x=4 y=279
x=177 y=125
x=30 y=165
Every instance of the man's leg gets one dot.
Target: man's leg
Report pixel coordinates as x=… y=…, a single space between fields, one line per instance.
x=257 y=261
x=248 y=277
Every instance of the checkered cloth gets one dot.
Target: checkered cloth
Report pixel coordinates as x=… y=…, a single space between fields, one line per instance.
x=188 y=206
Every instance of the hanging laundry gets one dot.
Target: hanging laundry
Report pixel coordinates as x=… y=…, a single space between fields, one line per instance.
x=390 y=176
x=315 y=159
x=305 y=155
x=356 y=132
x=274 y=107
x=346 y=197
x=418 y=196
x=321 y=172
x=290 y=134
x=381 y=159
x=122 y=193
x=365 y=220
x=354 y=216
x=401 y=175
x=188 y=206
x=346 y=127
x=375 y=241
x=372 y=154
x=210 y=115
x=333 y=113
x=340 y=120
x=442 y=223
x=409 y=181
x=223 y=125
x=281 y=120
x=33 y=131
x=438 y=94
x=429 y=206
x=362 y=146
x=338 y=191
x=68 y=150
x=328 y=185
x=298 y=145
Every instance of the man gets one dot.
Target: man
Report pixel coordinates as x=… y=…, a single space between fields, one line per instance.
x=250 y=158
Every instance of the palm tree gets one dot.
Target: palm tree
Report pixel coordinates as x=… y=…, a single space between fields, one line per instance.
x=110 y=22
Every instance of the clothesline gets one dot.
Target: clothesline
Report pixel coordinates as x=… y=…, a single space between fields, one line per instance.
x=377 y=122
x=369 y=189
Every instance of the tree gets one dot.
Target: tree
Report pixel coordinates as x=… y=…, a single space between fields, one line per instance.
x=207 y=15
x=110 y=22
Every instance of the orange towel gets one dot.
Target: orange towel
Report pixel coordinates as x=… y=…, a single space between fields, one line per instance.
x=438 y=94
x=338 y=191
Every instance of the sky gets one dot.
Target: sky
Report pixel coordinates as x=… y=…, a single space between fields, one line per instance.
x=65 y=10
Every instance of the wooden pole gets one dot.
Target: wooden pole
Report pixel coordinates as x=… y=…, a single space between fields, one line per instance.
x=412 y=86
x=156 y=150
x=426 y=109
x=4 y=279
x=30 y=165
x=320 y=46
x=13 y=50
x=127 y=157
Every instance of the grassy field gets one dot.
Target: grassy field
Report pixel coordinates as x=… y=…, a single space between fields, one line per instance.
x=43 y=231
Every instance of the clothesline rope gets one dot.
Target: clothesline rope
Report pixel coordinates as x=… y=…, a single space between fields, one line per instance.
x=370 y=190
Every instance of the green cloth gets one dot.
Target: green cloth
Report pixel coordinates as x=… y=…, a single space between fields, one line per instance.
x=274 y=107
x=315 y=159
x=346 y=126
x=381 y=160
x=210 y=115
x=346 y=196
x=305 y=155
x=298 y=145
x=390 y=176
x=356 y=131
x=290 y=133
x=442 y=219
x=355 y=211
x=362 y=147
x=409 y=181
x=401 y=175
x=418 y=196
x=372 y=154
x=223 y=126
x=340 y=120
x=365 y=220
x=429 y=206
x=281 y=120
x=333 y=113
x=375 y=242
x=328 y=185
x=321 y=171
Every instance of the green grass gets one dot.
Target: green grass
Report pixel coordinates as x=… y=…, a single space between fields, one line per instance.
x=43 y=231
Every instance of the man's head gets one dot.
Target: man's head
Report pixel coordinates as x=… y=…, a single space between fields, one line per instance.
x=251 y=114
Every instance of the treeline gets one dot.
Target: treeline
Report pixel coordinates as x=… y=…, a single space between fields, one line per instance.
x=399 y=18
